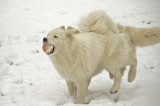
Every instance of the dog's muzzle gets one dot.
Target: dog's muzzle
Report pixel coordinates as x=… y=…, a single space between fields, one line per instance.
x=47 y=48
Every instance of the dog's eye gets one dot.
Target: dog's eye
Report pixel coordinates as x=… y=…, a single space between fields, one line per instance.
x=55 y=36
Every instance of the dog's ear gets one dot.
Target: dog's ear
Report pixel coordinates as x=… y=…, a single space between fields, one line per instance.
x=69 y=28
x=76 y=31
x=71 y=32
x=62 y=27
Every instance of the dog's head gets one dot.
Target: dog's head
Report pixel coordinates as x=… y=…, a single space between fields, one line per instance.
x=59 y=39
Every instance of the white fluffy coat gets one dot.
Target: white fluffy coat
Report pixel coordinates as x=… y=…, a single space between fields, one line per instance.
x=101 y=44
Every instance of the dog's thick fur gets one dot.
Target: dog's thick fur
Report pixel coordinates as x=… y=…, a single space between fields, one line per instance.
x=101 y=44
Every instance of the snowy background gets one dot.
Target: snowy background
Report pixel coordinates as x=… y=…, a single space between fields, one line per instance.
x=28 y=78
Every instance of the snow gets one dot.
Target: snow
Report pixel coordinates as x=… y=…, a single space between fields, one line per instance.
x=27 y=76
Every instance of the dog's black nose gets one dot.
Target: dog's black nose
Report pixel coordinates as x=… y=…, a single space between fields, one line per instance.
x=45 y=40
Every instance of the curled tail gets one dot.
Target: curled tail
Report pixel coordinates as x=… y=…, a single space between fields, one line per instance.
x=98 y=22
x=142 y=36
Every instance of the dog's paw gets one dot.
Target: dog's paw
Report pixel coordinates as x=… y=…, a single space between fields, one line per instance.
x=131 y=78
x=113 y=92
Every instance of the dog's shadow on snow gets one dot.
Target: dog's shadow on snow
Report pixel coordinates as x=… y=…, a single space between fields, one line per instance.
x=101 y=95
x=97 y=93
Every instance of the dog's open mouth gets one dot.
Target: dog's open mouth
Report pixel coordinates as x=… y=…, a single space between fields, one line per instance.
x=50 y=49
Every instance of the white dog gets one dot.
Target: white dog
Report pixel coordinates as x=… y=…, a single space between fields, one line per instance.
x=101 y=44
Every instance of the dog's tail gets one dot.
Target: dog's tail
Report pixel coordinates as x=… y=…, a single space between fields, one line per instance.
x=98 y=22
x=142 y=36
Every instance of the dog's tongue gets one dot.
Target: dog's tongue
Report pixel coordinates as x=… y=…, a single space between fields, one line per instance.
x=44 y=47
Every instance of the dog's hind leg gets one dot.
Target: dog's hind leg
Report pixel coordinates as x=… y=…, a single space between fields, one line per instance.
x=117 y=81
x=111 y=76
x=122 y=72
x=132 y=71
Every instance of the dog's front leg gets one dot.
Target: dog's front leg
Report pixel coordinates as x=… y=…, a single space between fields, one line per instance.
x=81 y=91
x=70 y=87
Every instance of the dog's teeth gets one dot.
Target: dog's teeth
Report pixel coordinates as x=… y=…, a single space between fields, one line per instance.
x=49 y=49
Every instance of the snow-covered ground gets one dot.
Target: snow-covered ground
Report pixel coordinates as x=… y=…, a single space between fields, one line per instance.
x=28 y=78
